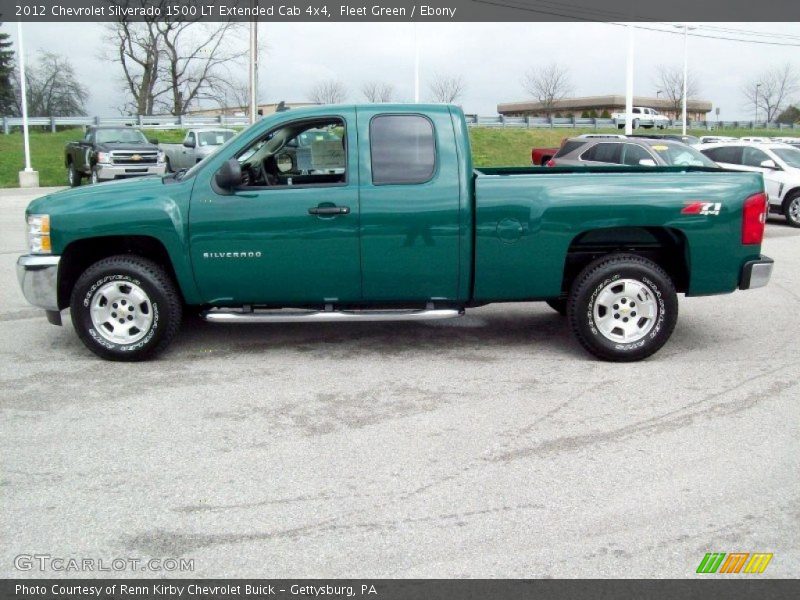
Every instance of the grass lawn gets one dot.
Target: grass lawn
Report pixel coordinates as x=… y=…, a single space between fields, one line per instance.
x=491 y=146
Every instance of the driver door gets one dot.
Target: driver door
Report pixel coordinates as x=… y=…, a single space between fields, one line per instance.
x=291 y=240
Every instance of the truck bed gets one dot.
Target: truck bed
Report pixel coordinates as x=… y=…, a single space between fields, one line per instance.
x=533 y=170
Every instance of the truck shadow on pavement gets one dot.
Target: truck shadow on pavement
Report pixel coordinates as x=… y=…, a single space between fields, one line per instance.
x=477 y=336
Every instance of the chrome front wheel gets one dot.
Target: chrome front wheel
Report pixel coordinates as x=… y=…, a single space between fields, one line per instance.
x=121 y=312
x=793 y=211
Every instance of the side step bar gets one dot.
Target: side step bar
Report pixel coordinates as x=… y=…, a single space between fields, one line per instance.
x=327 y=316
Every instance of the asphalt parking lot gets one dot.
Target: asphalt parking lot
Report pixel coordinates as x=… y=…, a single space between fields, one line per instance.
x=487 y=446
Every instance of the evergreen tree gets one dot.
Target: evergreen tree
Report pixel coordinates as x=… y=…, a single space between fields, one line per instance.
x=7 y=104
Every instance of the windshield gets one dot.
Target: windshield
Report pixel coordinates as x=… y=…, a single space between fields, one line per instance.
x=213 y=138
x=681 y=155
x=122 y=135
x=791 y=156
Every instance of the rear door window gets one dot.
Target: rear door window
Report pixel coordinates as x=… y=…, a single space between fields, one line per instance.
x=725 y=154
x=402 y=149
x=604 y=152
x=568 y=147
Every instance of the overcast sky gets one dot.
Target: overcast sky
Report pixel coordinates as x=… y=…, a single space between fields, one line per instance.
x=491 y=57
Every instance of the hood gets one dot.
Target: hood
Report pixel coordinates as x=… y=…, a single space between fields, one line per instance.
x=98 y=195
x=127 y=147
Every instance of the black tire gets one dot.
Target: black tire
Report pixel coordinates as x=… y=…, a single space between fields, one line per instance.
x=635 y=124
x=167 y=165
x=559 y=305
x=73 y=176
x=657 y=289
x=165 y=307
x=791 y=209
x=93 y=176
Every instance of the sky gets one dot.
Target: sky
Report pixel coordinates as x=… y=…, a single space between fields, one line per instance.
x=491 y=57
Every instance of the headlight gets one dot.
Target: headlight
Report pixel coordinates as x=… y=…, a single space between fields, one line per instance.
x=161 y=156
x=39 y=234
x=104 y=157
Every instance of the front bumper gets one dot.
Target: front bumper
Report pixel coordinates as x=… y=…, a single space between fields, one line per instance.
x=107 y=171
x=38 y=278
x=756 y=273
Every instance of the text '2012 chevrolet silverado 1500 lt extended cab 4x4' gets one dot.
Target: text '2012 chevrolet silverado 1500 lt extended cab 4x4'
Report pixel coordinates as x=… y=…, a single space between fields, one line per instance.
x=383 y=217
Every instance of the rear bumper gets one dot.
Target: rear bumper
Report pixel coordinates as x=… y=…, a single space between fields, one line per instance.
x=38 y=278
x=756 y=273
x=106 y=171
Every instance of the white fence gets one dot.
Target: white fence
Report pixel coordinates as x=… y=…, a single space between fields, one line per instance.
x=184 y=122
x=598 y=123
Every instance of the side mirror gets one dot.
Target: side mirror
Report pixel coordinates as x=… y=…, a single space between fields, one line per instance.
x=153 y=141
x=229 y=176
x=647 y=162
x=769 y=164
x=190 y=143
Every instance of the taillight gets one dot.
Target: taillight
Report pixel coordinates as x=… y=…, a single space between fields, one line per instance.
x=550 y=163
x=754 y=217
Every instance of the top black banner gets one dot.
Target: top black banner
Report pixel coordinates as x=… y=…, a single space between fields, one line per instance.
x=400 y=10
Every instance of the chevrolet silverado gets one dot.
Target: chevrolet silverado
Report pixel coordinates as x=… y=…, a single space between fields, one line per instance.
x=384 y=218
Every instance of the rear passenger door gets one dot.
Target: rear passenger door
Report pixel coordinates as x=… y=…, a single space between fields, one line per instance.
x=410 y=200
x=603 y=153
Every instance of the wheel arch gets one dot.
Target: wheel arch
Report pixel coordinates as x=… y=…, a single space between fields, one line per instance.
x=790 y=193
x=665 y=246
x=81 y=254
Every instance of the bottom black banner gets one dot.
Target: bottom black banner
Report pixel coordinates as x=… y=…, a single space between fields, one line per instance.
x=397 y=589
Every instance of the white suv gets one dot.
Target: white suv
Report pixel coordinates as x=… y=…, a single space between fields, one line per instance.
x=779 y=163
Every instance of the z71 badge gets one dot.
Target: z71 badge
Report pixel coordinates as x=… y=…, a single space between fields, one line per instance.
x=702 y=208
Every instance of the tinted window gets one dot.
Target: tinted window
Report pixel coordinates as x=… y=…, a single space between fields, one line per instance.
x=568 y=147
x=604 y=152
x=726 y=154
x=791 y=156
x=636 y=111
x=681 y=155
x=402 y=149
x=753 y=157
x=633 y=154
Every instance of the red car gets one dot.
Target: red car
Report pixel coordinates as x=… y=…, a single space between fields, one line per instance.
x=540 y=156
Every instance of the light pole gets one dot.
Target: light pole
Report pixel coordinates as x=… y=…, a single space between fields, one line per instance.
x=253 y=66
x=27 y=177
x=416 y=65
x=629 y=84
x=686 y=29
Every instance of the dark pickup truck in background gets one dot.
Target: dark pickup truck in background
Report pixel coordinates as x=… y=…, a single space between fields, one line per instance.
x=107 y=153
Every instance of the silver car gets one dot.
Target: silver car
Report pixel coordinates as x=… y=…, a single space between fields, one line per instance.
x=628 y=152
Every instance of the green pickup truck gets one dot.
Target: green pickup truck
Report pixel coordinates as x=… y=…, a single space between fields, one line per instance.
x=375 y=213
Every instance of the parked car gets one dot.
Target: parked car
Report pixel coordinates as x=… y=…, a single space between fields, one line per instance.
x=675 y=137
x=404 y=230
x=107 y=153
x=641 y=116
x=778 y=163
x=794 y=141
x=712 y=139
x=756 y=139
x=628 y=151
x=541 y=156
x=196 y=145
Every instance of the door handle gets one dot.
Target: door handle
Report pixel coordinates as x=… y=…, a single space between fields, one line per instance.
x=329 y=210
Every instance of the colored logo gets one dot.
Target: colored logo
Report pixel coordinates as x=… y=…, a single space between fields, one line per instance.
x=702 y=208
x=136 y=157
x=734 y=562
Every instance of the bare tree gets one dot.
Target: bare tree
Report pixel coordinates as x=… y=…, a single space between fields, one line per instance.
x=669 y=81
x=547 y=85
x=378 y=91
x=771 y=91
x=169 y=64
x=53 y=88
x=329 y=91
x=194 y=57
x=447 y=89
x=137 y=48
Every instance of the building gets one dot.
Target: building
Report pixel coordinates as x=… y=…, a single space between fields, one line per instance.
x=596 y=105
x=241 y=111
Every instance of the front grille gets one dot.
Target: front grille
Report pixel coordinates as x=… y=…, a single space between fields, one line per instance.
x=134 y=158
